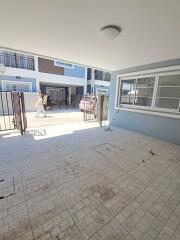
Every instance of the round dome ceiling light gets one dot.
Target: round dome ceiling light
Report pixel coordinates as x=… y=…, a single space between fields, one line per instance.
x=109 y=32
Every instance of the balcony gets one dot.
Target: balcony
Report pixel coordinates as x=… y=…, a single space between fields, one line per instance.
x=15 y=60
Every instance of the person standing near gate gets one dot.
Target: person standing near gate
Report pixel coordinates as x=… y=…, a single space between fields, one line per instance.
x=40 y=106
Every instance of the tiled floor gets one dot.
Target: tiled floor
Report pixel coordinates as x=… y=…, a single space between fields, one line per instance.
x=89 y=184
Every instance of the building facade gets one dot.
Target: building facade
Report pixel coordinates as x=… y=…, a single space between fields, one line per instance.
x=62 y=80
x=98 y=81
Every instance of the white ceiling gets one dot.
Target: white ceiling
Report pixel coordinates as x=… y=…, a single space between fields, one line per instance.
x=67 y=29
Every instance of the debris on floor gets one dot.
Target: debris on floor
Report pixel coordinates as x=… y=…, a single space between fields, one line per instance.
x=108 y=195
x=107 y=129
x=152 y=153
x=39 y=132
x=9 y=194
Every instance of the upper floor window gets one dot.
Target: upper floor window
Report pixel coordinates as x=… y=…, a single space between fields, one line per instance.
x=168 y=92
x=101 y=75
x=159 y=92
x=63 y=64
x=98 y=75
x=16 y=60
x=107 y=76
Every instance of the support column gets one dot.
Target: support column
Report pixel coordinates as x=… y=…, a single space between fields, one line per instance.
x=85 y=89
x=69 y=97
x=93 y=81
x=85 y=84
x=37 y=72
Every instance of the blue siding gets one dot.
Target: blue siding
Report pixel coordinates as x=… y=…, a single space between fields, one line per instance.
x=22 y=79
x=164 y=128
x=77 y=71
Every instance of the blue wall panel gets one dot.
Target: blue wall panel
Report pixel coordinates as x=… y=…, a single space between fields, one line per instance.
x=164 y=128
x=77 y=71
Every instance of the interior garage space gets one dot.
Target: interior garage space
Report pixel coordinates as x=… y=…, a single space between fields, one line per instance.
x=62 y=96
x=67 y=177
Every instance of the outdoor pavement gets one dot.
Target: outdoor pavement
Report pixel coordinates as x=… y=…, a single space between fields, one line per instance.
x=54 y=117
x=77 y=181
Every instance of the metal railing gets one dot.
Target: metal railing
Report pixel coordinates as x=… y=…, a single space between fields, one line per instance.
x=16 y=60
x=12 y=112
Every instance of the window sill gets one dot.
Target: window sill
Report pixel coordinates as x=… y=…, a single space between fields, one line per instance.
x=150 y=112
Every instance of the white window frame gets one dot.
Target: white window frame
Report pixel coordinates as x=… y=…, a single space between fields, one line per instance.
x=102 y=91
x=143 y=109
x=59 y=63
x=4 y=82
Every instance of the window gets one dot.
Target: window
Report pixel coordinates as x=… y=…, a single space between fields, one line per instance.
x=127 y=92
x=98 y=75
x=137 y=92
x=63 y=64
x=160 y=92
x=107 y=76
x=144 y=91
x=16 y=60
x=168 y=92
x=17 y=86
x=102 y=76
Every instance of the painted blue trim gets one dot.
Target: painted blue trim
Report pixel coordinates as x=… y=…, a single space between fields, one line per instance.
x=77 y=71
x=22 y=79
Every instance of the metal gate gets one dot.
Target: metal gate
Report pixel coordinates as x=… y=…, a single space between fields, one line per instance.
x=12 y=111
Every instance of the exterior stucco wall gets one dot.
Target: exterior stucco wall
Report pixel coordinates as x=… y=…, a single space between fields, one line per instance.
x=165 y=128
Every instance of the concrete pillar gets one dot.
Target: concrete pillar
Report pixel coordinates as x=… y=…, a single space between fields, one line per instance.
x=69 y=97
x=85 y=89
x=93 y=80
x=37 y=73
x=85 y=84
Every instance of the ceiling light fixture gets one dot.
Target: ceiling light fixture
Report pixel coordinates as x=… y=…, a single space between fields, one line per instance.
x=109 y=32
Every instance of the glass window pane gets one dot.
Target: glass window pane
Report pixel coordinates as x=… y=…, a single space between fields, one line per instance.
x=171 y=92
x=143 y=101
x=169 y=80
x=168 y=103
x=144 y=91
x=146 y=82
x=127 y=91
x=168 y=92
x=17 y=87
x=127 y=100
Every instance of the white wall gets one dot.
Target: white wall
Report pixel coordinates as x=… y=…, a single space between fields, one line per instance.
x=19 y=72
x=99 y=83
x=60 y=79
x=30 y=100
